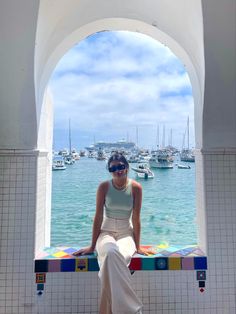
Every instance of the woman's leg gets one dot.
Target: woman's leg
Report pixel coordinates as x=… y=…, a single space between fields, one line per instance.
x=117 y=295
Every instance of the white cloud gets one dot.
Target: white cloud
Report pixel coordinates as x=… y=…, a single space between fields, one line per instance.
x=117 y=80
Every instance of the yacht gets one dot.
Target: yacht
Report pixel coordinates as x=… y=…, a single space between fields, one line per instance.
x=101 y=155
x=186 y=154
x=58 y=163
x=143 y=171
x=161 y=159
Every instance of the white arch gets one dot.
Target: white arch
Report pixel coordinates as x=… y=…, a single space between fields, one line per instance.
x=196 y=75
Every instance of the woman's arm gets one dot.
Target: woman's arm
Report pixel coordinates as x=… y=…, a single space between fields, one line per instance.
x=137 y=203
x=137 y=195
x=98 y=218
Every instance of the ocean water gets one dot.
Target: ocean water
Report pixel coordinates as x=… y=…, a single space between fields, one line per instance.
x=168 y=214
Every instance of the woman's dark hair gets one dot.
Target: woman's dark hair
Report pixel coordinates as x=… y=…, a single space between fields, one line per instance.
x=118 y=157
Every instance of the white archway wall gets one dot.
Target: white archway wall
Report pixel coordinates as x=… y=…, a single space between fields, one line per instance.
x=219 y=116
x=18 y=110
x=183 y=35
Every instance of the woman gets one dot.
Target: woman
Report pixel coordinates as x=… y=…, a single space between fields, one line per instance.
x=116 y=237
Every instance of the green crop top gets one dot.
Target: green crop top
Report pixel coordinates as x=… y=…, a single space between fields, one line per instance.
x=119 y=203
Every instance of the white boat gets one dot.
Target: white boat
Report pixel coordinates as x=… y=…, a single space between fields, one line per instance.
x=161 y=159
x=133 y=159
x=82 y=153
x=143 y=171
x=101 y=155
x=184 y=167
x=186 y=154
x=58 y=163
x=145 y=175
x=75 y=154
x=69 y=160
x=142 y=168
x=91 y=154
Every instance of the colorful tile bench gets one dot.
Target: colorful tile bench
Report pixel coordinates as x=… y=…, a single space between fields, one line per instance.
x=166 y=258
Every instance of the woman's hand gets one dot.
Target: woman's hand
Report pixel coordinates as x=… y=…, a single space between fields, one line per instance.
x=84 y=251
x=145 y=252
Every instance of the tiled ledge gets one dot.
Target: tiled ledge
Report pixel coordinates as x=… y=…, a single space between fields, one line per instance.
x=61 y=260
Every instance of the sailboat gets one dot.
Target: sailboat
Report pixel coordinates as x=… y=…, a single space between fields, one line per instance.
x=162 y=157
x=69 y=158
x=186 y=154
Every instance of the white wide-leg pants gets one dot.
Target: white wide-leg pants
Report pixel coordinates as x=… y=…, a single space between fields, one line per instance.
x=115 y=249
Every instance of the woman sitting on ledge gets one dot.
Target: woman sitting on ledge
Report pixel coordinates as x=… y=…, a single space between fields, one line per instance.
x=116 y=238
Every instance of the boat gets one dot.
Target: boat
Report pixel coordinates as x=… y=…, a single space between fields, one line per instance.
x=141 y=168
x=161 y=159
x=82 y=153
x=186 y=154
x=69 y=158
x=58 y=163
x=146 y=175
x=143 y=171
x=75 y=154
x=133 y=159
x=91 y=154
x=101 y=155
x=183 y=166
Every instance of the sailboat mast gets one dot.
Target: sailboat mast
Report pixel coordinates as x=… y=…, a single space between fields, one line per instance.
x=170 y=140
x=69 y=138
x=157 y=137
x=188 y=131
x=137 y=136
x=164 y=137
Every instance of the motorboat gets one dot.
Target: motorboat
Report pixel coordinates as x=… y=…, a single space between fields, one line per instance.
x=140 y=168
x=145 y=175
x=187 y=154
x=101 y=155
x=161 y=159
x=143 y=171
x=69 y=160
x=183 y=166
x=58 y=163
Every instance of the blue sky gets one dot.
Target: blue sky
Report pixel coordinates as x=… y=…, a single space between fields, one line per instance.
x=113 y=83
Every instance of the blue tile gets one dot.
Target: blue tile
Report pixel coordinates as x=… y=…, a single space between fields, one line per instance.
x=68 y=265
x=148 y=263
x=93 y=264
x=41 y=266
x=40 y=287
x=161 y=263
x=200 y=262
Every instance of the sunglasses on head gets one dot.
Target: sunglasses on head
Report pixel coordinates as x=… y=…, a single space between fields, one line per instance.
x=117 y=167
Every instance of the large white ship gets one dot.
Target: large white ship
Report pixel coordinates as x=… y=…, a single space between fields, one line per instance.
x=119 y=145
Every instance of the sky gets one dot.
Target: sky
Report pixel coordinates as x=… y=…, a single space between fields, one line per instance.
x=121 y=85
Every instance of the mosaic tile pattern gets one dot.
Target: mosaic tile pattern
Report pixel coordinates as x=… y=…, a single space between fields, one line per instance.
x=60 y=259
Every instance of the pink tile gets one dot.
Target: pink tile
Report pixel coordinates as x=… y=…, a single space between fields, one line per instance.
x=54 y=266
x=188 y=263
x=41 y=254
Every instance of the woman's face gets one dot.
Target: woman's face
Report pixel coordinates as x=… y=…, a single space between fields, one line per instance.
x=118 y=169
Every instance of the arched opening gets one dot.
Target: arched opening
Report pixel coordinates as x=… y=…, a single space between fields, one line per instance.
x=146 y=29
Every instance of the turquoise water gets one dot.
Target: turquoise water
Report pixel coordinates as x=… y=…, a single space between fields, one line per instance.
x=168 y=210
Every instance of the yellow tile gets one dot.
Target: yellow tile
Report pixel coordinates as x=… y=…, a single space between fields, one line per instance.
x=60 y=254
x=174 y=263
x=81 y=264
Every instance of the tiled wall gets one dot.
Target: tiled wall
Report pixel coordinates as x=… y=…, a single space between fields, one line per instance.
x=17 y=216
x=165 y=292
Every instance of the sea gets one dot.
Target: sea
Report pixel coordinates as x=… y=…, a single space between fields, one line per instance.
x=168 y=214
